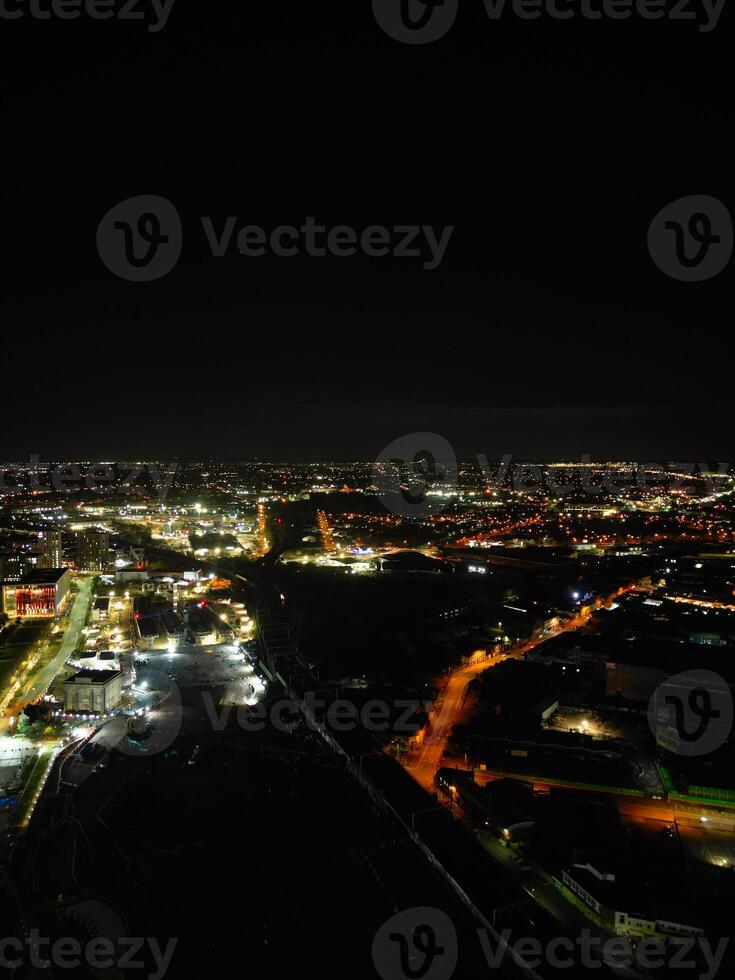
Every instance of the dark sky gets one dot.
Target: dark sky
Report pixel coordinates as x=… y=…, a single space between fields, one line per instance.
x=547 y=330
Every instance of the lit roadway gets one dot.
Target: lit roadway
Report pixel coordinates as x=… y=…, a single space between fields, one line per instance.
x=77 y=619
x=39 y=682
x=688 y=817
x=454 y=695
x=436 y=741
x=536 y=883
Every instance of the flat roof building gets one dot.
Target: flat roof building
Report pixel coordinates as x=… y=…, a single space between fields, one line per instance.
x=206 y=627
x=101 y=608
x=93 y=691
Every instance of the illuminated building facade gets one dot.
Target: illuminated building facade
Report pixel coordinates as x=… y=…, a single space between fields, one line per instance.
x=50 y=545
x=93 y=691
x=38 y=595
x=93 y=551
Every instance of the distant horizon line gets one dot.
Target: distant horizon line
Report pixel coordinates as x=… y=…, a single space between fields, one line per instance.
x=584 y=459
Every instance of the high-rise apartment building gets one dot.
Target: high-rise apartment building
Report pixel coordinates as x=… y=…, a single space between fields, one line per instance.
x=14 y=566
x=93 y=551
x=50 y=547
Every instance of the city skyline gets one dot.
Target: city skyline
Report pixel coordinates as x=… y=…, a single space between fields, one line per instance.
x=367 y=504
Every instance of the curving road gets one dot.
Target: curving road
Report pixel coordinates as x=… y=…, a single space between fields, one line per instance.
x=39 y=682
x=454 y=696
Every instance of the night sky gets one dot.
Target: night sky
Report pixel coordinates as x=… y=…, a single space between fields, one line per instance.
x=547 y=330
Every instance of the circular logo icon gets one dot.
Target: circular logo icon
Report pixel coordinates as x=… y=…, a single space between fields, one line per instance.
x=691 y=713
x=154 y=731
x=416 y=944
x=416 y=21
x=691 y=239
x=140 y=239
x=415 y=474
